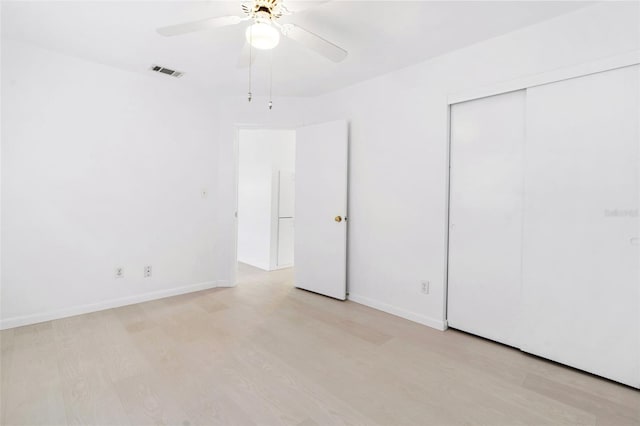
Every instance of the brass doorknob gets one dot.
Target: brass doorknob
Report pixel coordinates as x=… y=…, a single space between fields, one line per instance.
x=338 y=219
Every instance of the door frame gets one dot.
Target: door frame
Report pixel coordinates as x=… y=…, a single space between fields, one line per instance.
x=236 y=180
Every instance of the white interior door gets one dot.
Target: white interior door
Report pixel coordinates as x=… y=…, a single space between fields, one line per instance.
x=321 y=209
x=581 y=283
x=487 y=143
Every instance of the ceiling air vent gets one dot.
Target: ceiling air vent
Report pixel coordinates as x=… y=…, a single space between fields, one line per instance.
x=167 y=71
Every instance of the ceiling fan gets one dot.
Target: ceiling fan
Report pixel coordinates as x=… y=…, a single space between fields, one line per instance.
x=265 y=29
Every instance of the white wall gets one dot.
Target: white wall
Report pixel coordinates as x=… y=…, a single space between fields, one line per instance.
x=262 y=153
x=399 y=130
x=101 y=168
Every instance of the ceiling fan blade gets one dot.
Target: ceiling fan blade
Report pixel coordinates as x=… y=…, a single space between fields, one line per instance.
x=203 y=24
x=243 y=59
x=314 y=42
x=289 y=8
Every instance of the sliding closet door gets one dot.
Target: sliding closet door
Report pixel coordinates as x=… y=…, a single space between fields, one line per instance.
x=487 y=142
x=581 y=283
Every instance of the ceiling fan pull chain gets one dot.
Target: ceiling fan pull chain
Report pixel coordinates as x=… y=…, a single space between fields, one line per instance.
x=250 y=60
x=270 y=80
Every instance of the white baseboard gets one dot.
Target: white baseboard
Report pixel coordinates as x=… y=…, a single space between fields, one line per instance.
x=411 y=316
x=100 y=306
x=114 y=303
x=286 y=266
x=259 y=265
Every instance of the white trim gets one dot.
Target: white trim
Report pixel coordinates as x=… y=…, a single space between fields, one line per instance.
x=411 y=316
x=447 y=222
x=285 y=266
x=236 y=194
x=100 y=306
x=226 y=284
x=606 y=64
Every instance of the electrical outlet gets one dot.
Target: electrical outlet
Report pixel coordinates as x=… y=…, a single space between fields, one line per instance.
x=147 y=271
x=119 y=272
x=425 y=287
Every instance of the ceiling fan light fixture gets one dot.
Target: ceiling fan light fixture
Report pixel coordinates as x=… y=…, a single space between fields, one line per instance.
x=262 y=36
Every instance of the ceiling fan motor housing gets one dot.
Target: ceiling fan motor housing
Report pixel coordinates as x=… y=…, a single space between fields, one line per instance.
x=264 y=9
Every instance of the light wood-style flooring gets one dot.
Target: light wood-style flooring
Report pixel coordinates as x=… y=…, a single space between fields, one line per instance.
x=265 y=353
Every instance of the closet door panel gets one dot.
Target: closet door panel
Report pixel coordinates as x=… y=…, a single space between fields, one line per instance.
x=581 y=301
x=487 y=138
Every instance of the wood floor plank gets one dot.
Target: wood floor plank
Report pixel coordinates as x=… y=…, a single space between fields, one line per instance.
x=148 y=399
x=607 y=412
x=31 y=403
x=282 y=384
x=219 y=410
x=89 y=401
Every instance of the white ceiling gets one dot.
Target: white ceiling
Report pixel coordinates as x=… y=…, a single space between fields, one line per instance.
x=380 y=36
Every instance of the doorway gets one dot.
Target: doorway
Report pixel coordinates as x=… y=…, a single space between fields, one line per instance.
x=316 y=175
x=266 y=187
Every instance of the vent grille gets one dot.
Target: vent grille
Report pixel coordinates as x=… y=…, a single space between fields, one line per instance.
x=167 y=71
